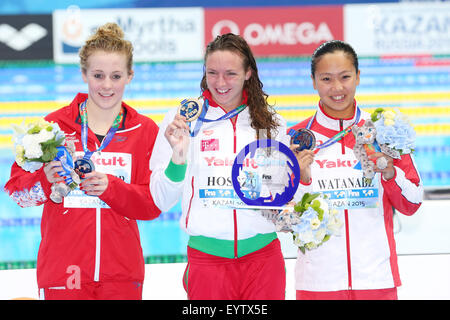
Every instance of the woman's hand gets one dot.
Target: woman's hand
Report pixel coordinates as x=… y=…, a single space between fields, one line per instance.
x=388 y=172
x=94 y=183
x=177 y=134
x=305 y=158
x=51 y=170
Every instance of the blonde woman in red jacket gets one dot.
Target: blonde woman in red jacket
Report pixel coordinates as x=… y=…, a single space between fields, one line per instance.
x=90 y=247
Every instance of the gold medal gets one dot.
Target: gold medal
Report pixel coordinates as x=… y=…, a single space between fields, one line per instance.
x=190 y=109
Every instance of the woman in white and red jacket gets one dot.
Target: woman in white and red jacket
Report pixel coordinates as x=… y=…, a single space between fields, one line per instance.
x=90 y=247
x=233 y=253
x=361 y=263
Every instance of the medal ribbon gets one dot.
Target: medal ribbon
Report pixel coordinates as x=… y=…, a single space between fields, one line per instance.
x=84 y=131
x=339 y=135
x=226 y=116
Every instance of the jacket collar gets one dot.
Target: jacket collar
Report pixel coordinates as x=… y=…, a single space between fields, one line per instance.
x=128 y=112
x=207 y=95
x=333 y=123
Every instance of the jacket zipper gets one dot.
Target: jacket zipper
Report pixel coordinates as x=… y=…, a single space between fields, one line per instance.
x=190 y=201
x=234 y=211
x=98 y=234
x=347 y=229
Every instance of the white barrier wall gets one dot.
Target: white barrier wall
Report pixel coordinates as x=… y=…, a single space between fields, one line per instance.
x=425 y=232
x=424 y=277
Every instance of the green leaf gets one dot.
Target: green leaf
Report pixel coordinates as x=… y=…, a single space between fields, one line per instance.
x=311 y=197
x=306 y=201
x=320 y=213
x=376 y=114
x=303 y=201
x=298 y=207
x=33 y=130
x=49 y=155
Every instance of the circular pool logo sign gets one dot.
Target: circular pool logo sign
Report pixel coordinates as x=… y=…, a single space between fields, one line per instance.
x=253 y=166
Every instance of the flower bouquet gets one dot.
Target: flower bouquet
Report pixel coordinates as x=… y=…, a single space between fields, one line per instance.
x=388 y=132
x=40 y=142
x=36 y=143
x=312 y=222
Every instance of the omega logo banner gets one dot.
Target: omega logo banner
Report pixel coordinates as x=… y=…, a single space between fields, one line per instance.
x=26 y=37
x=157 y=34
x=283 y=31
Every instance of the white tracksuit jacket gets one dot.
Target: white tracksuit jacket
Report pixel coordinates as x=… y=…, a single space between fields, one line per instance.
x=207 y=185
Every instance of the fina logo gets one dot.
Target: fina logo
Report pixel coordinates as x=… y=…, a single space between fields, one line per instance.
x=19 y=40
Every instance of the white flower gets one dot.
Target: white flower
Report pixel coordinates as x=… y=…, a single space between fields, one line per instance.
x=315 y=223
x=389 y=115
x=20 y=151
x=32 y=147
x=307 y=236
x=319 y=235
x=44 y=135
x=298 y=241
x=18 y=130
x=334 y=224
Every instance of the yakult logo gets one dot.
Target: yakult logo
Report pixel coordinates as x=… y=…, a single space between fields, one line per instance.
x=289 y=33
x=111 y=161
x=339 y=163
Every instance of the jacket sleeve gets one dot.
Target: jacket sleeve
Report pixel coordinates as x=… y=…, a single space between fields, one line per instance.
x=405 y=190
x=167 y=178
x=28 y=189
x=302 y=189
x=134 y=200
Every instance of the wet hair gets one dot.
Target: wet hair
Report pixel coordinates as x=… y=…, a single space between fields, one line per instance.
x=331 y=47
x=261 y=113
x=109 y=38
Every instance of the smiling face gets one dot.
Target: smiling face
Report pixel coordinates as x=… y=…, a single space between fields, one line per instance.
x=225 y=77
x=106 y=75
x=335 y=80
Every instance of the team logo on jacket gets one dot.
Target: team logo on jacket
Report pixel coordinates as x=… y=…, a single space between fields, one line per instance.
x=208 y=132
x=210 y=145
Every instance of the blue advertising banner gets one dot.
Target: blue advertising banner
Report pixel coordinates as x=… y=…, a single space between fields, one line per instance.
x=33 y=7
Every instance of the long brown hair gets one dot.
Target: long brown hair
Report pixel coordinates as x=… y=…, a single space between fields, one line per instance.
x=261 y=113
